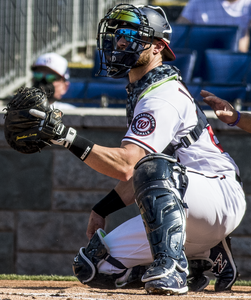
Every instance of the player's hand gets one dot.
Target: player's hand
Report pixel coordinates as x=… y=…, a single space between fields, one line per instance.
x=222 y=108
x=95 y=222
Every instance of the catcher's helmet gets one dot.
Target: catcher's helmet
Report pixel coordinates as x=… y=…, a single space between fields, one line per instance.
x=139 y=25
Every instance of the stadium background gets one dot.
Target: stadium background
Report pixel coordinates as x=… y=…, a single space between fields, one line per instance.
x=46 y=197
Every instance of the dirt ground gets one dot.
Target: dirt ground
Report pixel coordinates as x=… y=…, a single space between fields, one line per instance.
x=40 y=290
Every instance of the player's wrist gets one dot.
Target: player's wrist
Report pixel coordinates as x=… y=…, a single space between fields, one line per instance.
x=237 y=120
x=78 y=145
x=109 y=204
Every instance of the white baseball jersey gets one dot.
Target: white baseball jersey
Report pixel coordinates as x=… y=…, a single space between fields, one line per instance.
x=168 y=113
x=216 y=202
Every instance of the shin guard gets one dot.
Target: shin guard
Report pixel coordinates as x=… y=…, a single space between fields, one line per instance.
x=160 y=183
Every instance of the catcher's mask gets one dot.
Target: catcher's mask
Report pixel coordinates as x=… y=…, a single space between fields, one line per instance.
x=138 y=26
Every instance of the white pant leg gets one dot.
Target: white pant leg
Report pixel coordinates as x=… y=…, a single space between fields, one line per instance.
x=215 y=208
x=128 y=243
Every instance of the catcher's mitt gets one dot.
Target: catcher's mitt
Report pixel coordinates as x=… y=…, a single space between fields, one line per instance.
x=30 y=122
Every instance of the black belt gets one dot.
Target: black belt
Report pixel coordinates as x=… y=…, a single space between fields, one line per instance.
x=237 y=177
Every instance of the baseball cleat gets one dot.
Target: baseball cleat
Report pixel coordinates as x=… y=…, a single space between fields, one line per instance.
x=174 y=283
x=224 y=267
x=166 y=276
x=197 y=284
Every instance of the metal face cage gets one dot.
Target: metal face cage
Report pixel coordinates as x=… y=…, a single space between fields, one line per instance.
x=131 y=23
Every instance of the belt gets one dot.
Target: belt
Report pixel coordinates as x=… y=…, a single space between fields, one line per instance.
x=237 y=178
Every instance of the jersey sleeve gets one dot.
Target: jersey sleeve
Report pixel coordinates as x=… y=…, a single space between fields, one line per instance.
x=154 y=124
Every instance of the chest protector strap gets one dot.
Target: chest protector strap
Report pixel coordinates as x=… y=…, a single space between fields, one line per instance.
x=192 y=136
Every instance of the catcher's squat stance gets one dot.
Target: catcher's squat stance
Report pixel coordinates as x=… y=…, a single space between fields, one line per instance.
x=183 y=182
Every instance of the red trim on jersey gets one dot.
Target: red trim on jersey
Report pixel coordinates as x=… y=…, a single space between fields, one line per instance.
x=213 y=137
x=210 y=177
x=189 y=96
x=180 y=90
x=139 y=141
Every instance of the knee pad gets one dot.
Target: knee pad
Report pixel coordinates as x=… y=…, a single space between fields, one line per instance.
x=82 y=267
x=159 y=184
x=88 y=259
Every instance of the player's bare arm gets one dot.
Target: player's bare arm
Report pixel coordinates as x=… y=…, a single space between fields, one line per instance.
x=115 y=162
x=125 y=191
x=226 y=112
x=244 y=42
x=48 y=128
x=245 y=122
x=95 y=222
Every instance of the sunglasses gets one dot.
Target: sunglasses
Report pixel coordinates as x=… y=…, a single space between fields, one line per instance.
x=49 y=78
x=128 y=34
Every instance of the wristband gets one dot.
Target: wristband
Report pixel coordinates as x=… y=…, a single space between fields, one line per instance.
x=109 y=204
x=70 y=137
x=237 y=120
x=81 y=147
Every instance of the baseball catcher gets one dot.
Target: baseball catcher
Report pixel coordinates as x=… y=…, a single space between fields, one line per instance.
x=30 y=122
x=163 y=118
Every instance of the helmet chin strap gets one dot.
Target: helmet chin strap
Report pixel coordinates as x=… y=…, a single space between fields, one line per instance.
x=120 y=62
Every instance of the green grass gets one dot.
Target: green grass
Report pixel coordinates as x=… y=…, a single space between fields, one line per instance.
x=72 y=278
x=243 y=283
x=37 y=277
x=237 y=283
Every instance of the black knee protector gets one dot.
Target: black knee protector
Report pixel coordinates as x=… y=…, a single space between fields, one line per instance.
x=159 y=184
x=82 y=267
x=87 y=260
